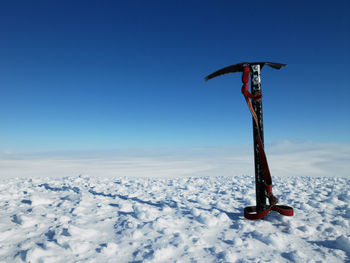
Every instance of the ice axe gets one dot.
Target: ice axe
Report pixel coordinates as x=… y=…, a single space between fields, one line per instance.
x=263 y=181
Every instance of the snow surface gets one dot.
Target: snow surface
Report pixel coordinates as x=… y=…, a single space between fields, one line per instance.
x=186 y=219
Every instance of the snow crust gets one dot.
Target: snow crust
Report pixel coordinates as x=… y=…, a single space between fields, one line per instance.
x=192 y=219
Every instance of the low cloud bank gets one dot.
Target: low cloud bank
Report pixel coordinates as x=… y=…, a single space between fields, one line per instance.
x=285 y=159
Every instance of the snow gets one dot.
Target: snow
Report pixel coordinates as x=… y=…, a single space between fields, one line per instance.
x=184 y=219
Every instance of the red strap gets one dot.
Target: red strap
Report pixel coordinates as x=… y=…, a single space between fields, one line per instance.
x=251 y=211
x=268 y=188
x=283 y=210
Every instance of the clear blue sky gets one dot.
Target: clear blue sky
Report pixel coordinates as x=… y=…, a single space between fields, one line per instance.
x=111 y=74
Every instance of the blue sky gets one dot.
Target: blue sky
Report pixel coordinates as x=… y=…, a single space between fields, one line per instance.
x=117 y=74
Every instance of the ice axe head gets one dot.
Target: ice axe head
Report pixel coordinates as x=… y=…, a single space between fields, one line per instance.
x=240 y=66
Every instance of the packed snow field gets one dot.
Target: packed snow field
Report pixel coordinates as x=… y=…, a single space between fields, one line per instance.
x=188 y=219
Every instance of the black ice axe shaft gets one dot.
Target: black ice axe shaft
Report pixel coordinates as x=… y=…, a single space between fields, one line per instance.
x=254 y=69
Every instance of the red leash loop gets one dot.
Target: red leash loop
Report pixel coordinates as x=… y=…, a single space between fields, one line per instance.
x=251 y=212
x=245 y=87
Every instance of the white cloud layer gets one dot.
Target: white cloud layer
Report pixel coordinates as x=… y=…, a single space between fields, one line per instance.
x=285 y=159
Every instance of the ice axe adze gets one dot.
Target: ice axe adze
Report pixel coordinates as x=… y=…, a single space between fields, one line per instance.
x=263 y=181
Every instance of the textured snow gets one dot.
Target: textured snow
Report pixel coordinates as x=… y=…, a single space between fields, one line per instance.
x=187 y=219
